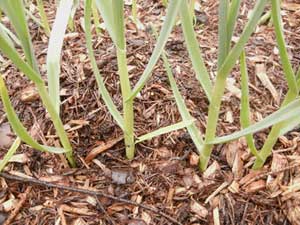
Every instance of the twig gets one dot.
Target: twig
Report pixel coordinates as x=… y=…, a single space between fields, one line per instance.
x=181 y=158
x=34 y=181
x=100 y=206
x=18 y=207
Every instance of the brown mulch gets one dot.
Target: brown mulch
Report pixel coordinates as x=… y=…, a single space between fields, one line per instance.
x=162 y=185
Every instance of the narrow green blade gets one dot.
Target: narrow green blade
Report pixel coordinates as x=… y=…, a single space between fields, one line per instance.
x=294 y=122
x=291 y=80
x=54 y=50
x=96 y=17
x=288 y=112
x=245 y=106
x=101 y=86
x=12 y=36
x=105 y=8
x=286 y=64
x=290 y=125
x=118 y=23
x=236 y=51
x=71 y=21
x=232 y=18
x=184 y=112
x=164 y=130
x=43 y=16
x=222 y=32
x=11 y=151
x=17 y=125
x=194 y=49
x=14 y=56
x=15 y=12
x=5 y=35
x=172 y=11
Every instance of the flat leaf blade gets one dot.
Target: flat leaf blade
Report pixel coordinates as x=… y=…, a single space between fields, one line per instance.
x=289 y=111
x=183 y=110
x=101 y=86
x=172 y=11
x=11 y=151
x=164 y=130
x=17 y=125
x=55 y=48
x=16 y=14
x=191 y=41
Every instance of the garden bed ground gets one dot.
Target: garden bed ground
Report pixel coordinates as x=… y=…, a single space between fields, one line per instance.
x=164 y=173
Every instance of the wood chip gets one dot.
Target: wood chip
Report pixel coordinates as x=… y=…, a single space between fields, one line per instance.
x=238 y=165
x=20 y=158
x=234 y=187
x=79 y=221
x=193 y=159
x=6 y=139
x=29 y=94
x=198 y=209
x=262 y=75
x=101 y=148
x=255 y=186
x=79 y=211
x=212 y=171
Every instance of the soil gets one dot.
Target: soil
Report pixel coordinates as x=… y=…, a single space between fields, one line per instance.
x=164 y=173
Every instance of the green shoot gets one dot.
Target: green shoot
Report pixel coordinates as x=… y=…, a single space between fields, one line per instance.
x=43 y=16
x=11 y=151
x=194 y=50
x=245 y=107
x=291 y=80
x=55 y=48
x=220 y=83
